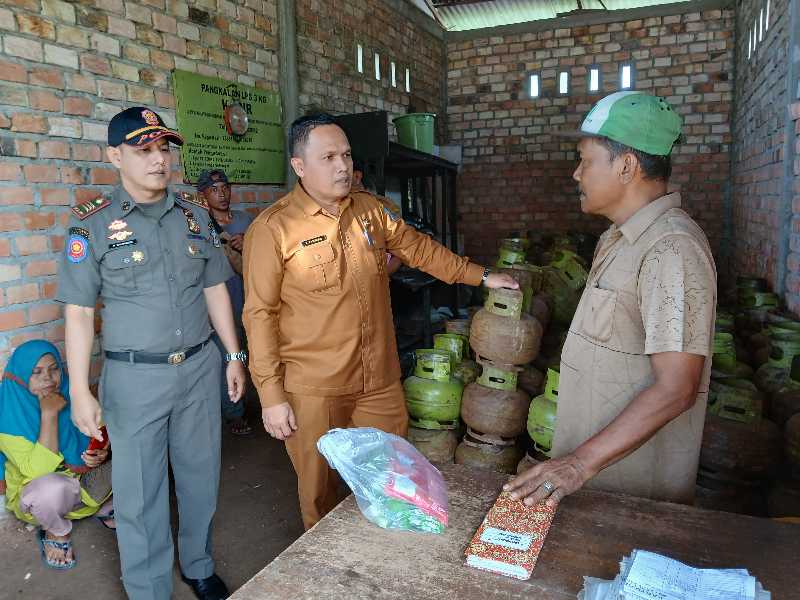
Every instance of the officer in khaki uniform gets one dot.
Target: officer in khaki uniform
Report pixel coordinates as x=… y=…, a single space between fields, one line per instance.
x=154 y=259
x=636 y=363
x=317 y=307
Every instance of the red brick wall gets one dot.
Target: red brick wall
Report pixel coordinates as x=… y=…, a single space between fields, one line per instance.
x=759 y=125
x=517 y=176
x=327 y=35
x=65 y=69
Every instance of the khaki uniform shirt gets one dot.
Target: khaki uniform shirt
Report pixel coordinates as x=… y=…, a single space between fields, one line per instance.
x=149 y=272
x=317 y=309
x=651 y=288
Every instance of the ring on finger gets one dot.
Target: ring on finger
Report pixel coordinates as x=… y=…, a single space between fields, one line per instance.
x=548 y=487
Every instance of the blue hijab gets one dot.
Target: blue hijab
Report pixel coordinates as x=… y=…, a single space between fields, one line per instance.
x=19 y=409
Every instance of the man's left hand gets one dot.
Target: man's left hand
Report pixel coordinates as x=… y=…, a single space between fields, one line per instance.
x=237 y=242
x=564 y=476
x=501 y=280
x=237 y=379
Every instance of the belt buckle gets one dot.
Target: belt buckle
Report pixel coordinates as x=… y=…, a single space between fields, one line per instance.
x=176 y=358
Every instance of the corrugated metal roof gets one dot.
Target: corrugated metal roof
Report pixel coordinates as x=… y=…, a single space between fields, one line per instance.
x=494 y=13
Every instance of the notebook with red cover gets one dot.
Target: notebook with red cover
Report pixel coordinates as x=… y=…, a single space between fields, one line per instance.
x=510 y=538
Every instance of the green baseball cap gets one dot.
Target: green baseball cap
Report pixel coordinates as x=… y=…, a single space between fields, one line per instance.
x=638 y=120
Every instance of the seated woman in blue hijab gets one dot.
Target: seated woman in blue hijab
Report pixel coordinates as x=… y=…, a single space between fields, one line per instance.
x=52 y=476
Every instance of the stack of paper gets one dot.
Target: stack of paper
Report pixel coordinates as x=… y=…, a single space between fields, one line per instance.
x=650 y=576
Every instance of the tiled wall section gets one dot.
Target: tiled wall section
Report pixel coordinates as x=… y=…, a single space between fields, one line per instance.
x=517 y=175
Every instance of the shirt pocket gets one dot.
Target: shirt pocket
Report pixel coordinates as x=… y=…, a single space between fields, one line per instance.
x=193 y=258
x=318 y=267
x=128 y=271
x=598 y=313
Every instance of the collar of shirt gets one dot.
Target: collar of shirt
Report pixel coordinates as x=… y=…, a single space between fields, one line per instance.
x=641 y=220
x=310 y=206
x=127 y=204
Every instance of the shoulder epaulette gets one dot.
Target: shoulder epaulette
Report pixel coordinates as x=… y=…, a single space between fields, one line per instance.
x=194 y=199
x=267 y=213
x=90 y=207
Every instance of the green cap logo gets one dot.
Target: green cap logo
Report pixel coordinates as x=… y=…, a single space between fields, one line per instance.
x=638 y=120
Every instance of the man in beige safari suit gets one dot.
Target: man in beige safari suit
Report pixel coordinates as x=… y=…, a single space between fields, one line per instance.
x=636 y=363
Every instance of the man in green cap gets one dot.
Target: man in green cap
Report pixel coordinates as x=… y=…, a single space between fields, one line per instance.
x=636 y=363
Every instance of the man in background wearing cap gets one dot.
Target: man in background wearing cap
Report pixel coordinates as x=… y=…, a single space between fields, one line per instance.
x=154 y=259
x=230 y=225
x=636 y=363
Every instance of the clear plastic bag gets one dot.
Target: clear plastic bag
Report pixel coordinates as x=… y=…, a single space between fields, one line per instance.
x=395 y=486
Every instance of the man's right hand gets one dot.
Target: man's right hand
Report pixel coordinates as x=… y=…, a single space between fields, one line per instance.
x=87 y=415
x=279 y=421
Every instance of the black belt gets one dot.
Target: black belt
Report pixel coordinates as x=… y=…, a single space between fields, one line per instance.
x=173 y=358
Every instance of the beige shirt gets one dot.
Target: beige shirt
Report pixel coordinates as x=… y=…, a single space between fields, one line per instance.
x=317 y=310
x=652 y=288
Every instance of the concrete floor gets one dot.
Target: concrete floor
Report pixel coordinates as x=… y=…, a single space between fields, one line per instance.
x=257 y=518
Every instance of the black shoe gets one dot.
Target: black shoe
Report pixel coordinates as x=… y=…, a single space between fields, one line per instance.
x=210 y=588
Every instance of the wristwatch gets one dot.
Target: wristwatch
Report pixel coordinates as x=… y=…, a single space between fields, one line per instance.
x=485 y=276
x=242 y=356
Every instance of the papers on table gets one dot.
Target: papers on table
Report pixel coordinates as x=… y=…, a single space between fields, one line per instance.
x=649 y=576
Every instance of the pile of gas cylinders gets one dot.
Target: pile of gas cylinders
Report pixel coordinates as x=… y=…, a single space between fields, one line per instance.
x=750 y=455
x=492 y=378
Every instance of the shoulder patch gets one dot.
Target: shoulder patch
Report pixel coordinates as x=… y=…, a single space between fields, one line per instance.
x=193 y=199
x=87 y=209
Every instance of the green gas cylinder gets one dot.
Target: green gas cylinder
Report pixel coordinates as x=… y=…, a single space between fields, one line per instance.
x=433 y=395
x=735 y=399
x=572 y=266
x=542 y=414
x=454 y=343
x=558 y=286
x=508 y=257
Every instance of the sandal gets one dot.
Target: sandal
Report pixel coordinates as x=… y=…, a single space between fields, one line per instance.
x=105 y=519
x=240 y=426
x=62 y=546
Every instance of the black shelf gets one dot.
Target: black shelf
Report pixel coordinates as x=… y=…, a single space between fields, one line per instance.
x=427 y=188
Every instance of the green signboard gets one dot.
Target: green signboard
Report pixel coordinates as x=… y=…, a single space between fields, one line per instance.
x=257 y=156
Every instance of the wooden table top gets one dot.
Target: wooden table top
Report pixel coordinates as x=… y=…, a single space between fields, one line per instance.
x=349 y=557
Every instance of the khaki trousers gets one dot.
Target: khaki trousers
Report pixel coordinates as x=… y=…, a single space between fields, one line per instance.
x=317 y=483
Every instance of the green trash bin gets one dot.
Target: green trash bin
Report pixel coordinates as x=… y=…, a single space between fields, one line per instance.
x=415 y=130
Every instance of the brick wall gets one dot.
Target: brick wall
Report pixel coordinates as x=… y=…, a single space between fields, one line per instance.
x=65 y=69
x=517 y=176
x=759 y=126
x=327 y=37
x=793 y=262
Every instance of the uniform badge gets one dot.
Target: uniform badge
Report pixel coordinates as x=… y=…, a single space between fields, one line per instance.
x=90 y=207
x=314 y=240
x=193 y=249
x=126 y=205
x=77 y=248
x=117 y=225
x=150 y=117
x=191 y=222
x=137 y=256
x=122 y=244
x=79 y=231
x=120 y=236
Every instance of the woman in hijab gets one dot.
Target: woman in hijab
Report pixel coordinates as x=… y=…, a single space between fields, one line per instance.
x=46 y=458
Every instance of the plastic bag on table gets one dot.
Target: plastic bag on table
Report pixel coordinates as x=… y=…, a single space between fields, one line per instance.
x=395 y=486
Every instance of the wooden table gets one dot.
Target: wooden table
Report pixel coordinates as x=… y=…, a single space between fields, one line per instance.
x=345 y=557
